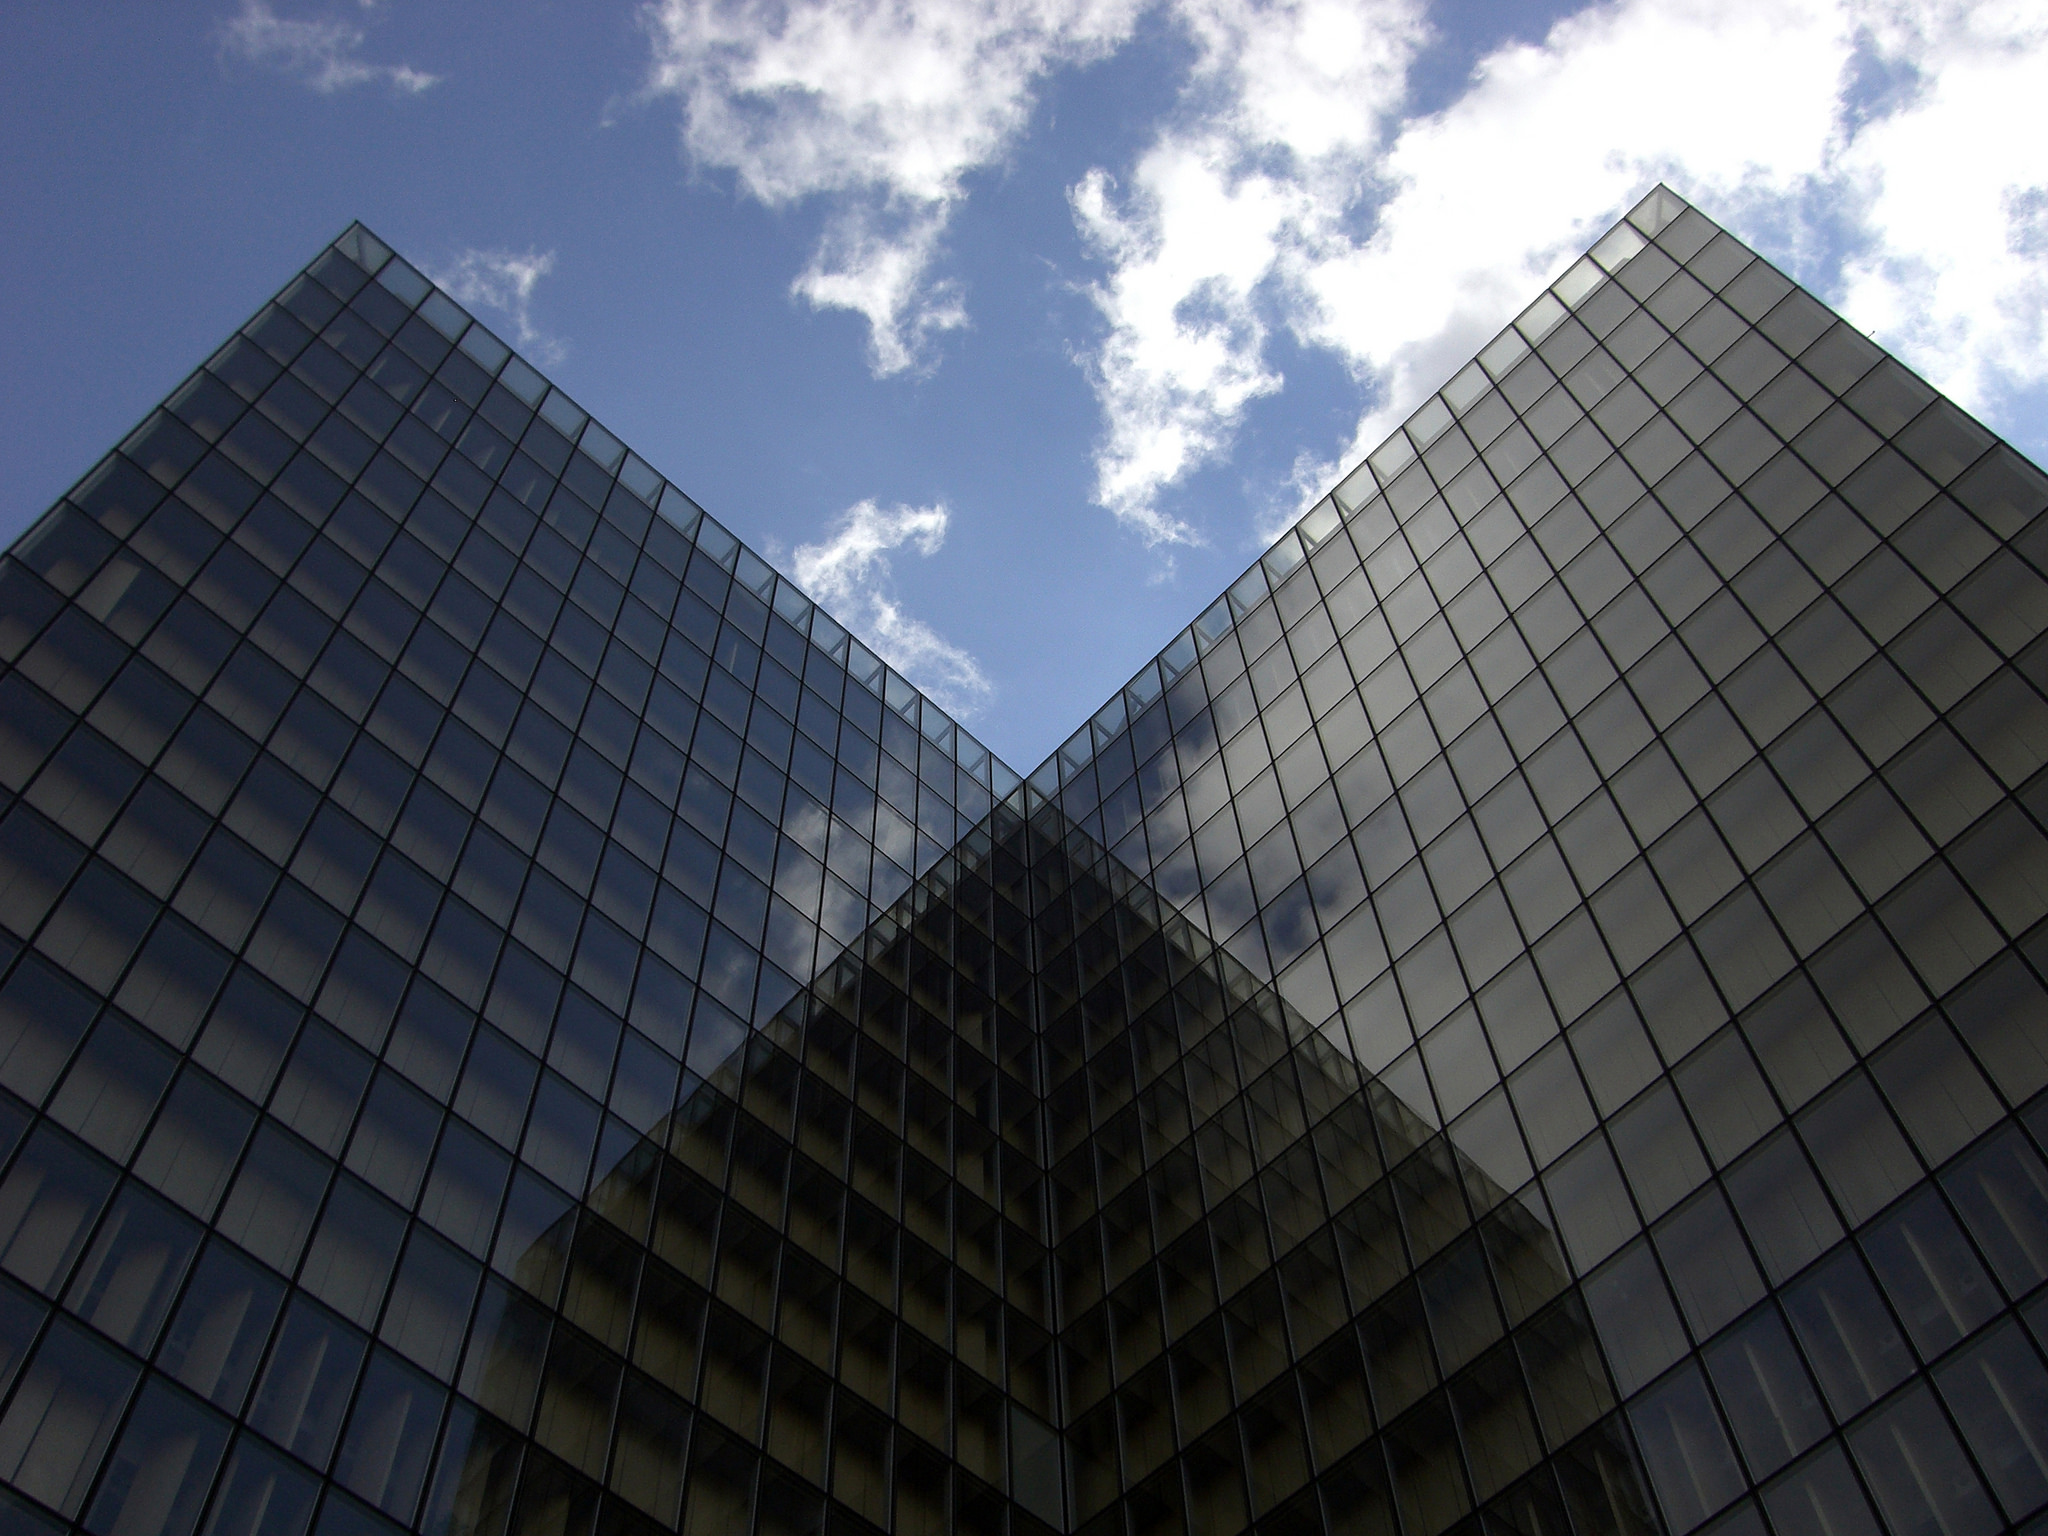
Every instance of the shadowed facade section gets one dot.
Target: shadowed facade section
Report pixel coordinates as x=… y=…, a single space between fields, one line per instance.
x=869 y=1169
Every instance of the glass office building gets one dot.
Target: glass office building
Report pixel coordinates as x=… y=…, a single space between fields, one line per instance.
x=1526 y=1019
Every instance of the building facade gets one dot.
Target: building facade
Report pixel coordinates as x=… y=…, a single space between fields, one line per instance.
x=1527 y=1017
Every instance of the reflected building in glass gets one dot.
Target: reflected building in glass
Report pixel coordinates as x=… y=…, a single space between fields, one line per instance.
x=1525 y=1020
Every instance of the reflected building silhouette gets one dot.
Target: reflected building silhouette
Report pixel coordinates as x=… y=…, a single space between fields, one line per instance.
x=880 y=1245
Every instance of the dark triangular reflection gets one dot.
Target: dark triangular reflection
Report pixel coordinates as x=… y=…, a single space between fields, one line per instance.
x=1036 y=1198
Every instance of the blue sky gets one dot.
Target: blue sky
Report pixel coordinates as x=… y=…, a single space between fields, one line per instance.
x=1012 y=328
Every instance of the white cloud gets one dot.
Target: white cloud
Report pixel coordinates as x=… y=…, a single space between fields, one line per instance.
x=1886 y=150
x=1733 y=102
x=1240 y=215
x=849 y=575
x=875 y=261
x=1956 y=274
x=1271 y=148
x=879 y=108
x=504 y=281
x=322 y=53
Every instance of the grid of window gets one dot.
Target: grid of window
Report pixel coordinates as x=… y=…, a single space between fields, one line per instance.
x=854 y=1221
x=1526 y=1016
x=1635 y=765
x=1284 y=1297
x=398 y=824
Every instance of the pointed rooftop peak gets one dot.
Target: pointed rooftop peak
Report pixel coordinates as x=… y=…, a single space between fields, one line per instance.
x=1661 y=217
x=366 y=259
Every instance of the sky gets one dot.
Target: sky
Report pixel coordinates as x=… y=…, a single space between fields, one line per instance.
x=1011 y=329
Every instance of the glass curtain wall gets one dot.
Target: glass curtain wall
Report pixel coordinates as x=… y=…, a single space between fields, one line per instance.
x=1526 y=1016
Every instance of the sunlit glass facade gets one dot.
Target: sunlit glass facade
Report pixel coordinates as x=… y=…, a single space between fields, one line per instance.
x=1526 y=1019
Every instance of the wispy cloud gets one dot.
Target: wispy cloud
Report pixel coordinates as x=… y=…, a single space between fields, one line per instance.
x=504 y=281
x=1886 y=150
x=321 y=52
x=1955 y=272
x=879 y=108
x=1270 y=150
x=849 y=574
x=875 y=259
x=1551 y=143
